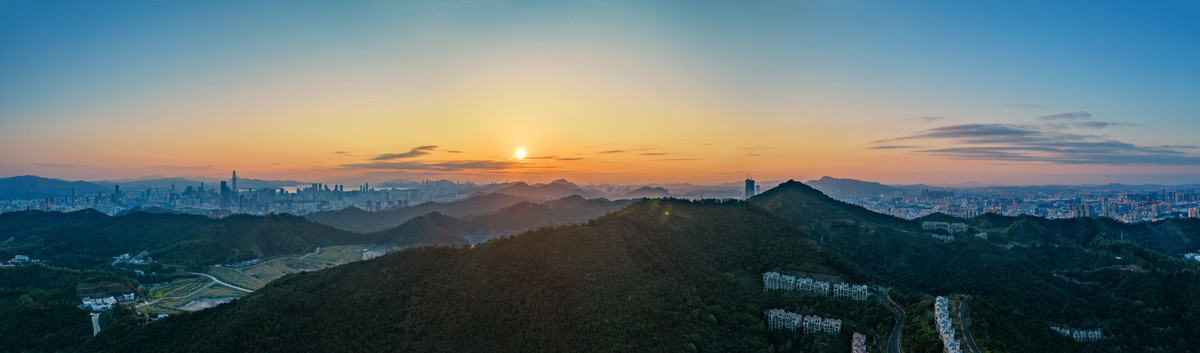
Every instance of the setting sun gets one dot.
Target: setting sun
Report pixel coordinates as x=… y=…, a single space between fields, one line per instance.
x=520 y=154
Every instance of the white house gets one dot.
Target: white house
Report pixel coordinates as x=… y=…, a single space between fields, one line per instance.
x=859 y=292
x=841 y=290
x=858 y=343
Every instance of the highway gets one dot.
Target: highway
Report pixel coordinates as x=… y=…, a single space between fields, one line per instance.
x=962 y=317
x=894 y=338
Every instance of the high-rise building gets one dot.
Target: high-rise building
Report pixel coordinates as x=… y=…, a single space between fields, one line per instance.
x=224 y=195
x=235 y=189
x=749 y=187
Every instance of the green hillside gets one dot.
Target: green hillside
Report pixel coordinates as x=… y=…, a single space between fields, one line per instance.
x=88 y=238
x=1070 y=272
x=659 y=275
x=38 y=310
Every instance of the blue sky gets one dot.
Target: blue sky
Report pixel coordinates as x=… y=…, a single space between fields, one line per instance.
x=822 y=82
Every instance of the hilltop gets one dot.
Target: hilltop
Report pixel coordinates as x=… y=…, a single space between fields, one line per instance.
x=35 y=186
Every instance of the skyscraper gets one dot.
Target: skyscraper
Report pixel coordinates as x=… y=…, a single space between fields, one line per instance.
x=749 y=187
x=235 y=182
x=224 y=196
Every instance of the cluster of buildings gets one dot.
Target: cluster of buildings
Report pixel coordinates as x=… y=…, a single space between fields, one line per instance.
x=945 y=238
x=779 y=319
x=227 y=197
x=858 y=343
x=1126 y=203
x=140 y=259
x=19 y=260
x=953 y=228
x=776 y=281
x=105 y=303
x=1194 y=256
x=945 y=326
x=1080 y=335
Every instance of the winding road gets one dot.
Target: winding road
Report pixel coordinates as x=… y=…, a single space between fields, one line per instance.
x=95 y=324
x=894 y=338
x=206 y=286
x=962 y=317
x=219 y=281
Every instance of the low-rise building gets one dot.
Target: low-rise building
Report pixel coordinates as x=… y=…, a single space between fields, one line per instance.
x=841 y=290
x=858 y=343
x=832 y=326
x=859 y=292
x=99 y=304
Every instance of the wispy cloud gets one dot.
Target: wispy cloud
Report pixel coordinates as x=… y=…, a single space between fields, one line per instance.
x=612 y=151
x=891 y=147
x=415 y=152
x=1040 y=143
x=924 y=119
x=442 y=166
x=1072 y=116
x=653 y=154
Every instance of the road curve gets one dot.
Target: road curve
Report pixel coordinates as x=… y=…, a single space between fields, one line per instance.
x=894 y=338
x=95 y=324
x=962 y=317
x=222 y=282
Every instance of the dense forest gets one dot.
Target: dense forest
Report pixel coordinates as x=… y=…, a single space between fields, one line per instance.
x=86 y=239
x=659 y=275
x=39 y=309
x=674 y=275
x=1077 y=273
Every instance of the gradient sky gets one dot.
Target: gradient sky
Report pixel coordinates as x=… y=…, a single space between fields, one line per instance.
x=1010 y=92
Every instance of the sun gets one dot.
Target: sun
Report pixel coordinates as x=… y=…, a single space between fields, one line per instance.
x=520 y=153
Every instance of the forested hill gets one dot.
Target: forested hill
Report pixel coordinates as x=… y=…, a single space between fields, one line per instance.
x=357 y=220
x=659 y=275
x=86 y=238
x=810 y=209
x=1076 y=273
x=656 y=276
x=1169 y=236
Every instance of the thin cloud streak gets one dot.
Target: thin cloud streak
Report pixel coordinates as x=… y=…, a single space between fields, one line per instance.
x=1041 y=143
x=415 y=152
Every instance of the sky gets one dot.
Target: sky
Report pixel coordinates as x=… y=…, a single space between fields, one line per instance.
x=603 y=91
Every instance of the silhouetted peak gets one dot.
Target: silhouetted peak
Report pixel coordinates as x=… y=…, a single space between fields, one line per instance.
x=562 y=181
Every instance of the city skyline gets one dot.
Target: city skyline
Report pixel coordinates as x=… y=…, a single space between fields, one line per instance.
x=603 y=92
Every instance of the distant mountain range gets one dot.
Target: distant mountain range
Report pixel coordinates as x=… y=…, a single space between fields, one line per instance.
x=35 y=186
x=541 y=192
x=839 y=187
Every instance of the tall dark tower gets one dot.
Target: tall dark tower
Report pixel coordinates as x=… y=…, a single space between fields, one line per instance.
x=749 y=187
x=224 y=196
x=235 y=189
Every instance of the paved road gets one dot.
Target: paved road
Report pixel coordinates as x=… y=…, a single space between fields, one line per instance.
x=962 y=317
x=95 y=324
x=894 y=338
x=221 y=282
x=206 y=286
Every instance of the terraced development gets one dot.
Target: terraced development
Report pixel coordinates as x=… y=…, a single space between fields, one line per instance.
x=198 y=292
